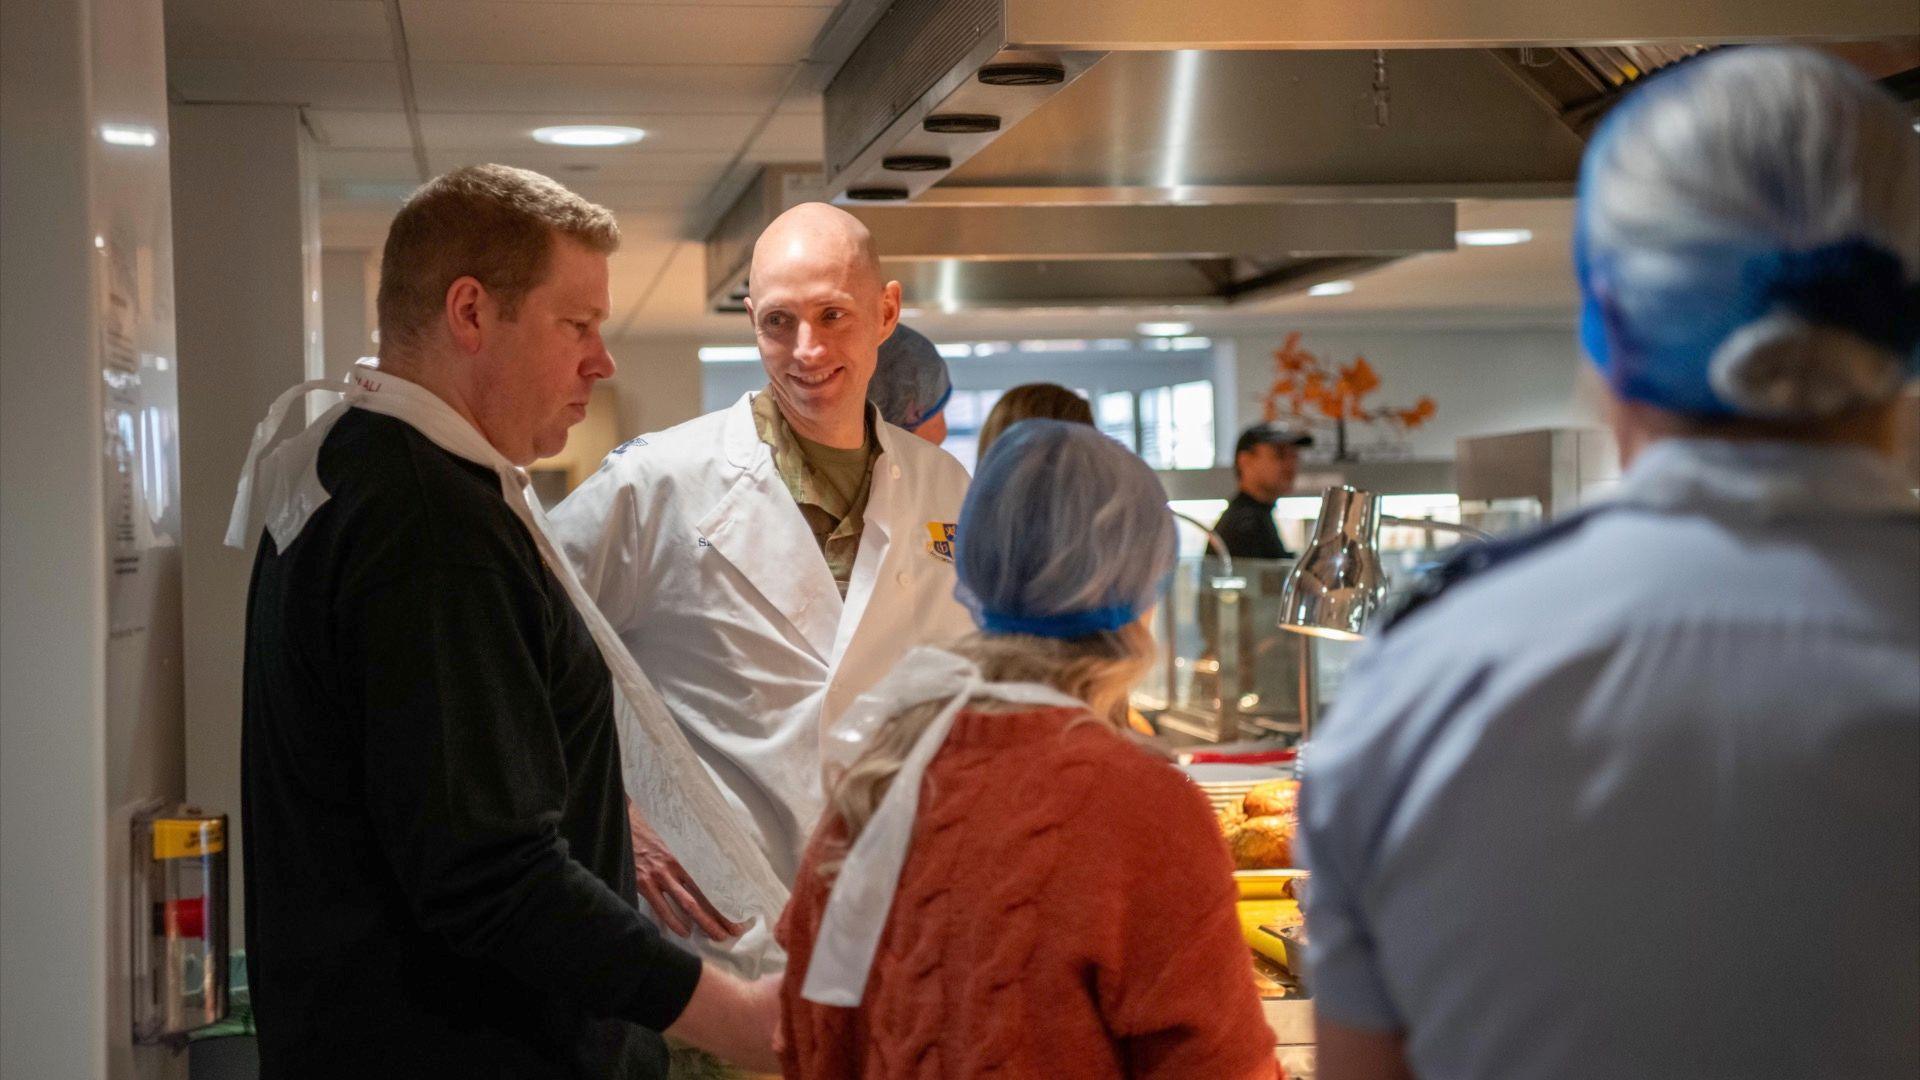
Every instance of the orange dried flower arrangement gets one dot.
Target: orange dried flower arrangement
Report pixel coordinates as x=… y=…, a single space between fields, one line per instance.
x=1306 y=389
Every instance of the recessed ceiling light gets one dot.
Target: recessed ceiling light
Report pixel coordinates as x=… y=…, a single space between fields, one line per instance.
x=1164 y=329
x=588 y=135
x=129 y=135
x=723 y=354
x=1331 y=288
x=1492 y=237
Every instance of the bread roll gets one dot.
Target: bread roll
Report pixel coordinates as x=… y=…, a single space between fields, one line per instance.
x=1274 y=797
x=1262 y=843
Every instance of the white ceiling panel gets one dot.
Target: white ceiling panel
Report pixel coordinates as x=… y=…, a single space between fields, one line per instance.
x=277 y=30
x=358 y=129
x=638 y=230
x=370 y=165
x=666 y=133
x=630 y=198
x=679 y=291
x=703 y=3
x=349 y=225
x=790 y=137
x=364 y=193
x=470 y=132
x=635 y=167
x=596 y=89
x=514 y=31
x=327 y=84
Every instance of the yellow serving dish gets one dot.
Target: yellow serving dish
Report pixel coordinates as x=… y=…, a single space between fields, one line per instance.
x=1264 y=900
x=1265 y=884
x=1255 y=913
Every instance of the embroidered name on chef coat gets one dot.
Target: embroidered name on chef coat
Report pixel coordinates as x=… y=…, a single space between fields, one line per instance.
x=940 y=539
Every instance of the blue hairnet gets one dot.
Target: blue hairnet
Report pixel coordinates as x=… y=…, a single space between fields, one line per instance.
x=1064 y=533
x=1748 y=239
x=910 y=386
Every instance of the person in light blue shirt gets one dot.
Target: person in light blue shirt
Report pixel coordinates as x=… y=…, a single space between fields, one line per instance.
x=1639 y=795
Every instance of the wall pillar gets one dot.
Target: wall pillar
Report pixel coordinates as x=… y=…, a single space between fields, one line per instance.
x=90 y=688
x=247 y=268
x=349 y=282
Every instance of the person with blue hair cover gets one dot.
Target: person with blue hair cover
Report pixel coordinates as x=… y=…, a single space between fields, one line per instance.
x=911 y=385
x=1003 y=884
x=1765 y=276
x=1064 y=533
x=1635 y=794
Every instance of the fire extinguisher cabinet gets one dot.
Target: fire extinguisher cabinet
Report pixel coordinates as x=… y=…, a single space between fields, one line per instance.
x=179 y=931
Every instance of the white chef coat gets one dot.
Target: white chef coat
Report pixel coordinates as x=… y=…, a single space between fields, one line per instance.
x=692 y=545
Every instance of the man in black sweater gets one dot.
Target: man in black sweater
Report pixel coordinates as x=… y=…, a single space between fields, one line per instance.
x=438 y=876
x=1266 y=458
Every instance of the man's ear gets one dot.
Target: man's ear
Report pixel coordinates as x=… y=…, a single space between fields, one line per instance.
x=889 y=308
x=466 y=299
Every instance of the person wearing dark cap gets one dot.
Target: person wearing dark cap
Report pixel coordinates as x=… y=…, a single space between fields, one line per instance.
x=911 y=386
x=1266 y=458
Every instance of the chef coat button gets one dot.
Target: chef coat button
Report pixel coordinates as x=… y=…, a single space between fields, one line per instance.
x=895 y=472
x=902 y=577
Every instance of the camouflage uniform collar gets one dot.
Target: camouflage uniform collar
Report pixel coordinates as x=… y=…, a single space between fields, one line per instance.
x=790 y=461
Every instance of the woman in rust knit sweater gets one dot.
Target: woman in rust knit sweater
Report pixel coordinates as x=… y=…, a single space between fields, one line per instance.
x=1003 y=885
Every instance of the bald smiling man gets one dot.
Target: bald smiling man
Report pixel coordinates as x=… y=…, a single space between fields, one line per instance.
x=767 y=563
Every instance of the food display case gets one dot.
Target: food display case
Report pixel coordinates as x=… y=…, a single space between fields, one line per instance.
x=1226 y=672
x=1255 y=805
x=1232 y=695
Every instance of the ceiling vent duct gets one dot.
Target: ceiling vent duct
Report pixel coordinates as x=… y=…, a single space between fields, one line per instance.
x=1581 y=84
x=934 y=79
x=730 y=244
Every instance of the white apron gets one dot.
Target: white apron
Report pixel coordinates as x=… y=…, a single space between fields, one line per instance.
x=862 y=893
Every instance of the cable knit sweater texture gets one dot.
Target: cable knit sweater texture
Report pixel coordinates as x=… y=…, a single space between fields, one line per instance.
x=1066 y=911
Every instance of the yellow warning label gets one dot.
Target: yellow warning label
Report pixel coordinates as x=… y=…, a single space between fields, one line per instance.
x=188 y=838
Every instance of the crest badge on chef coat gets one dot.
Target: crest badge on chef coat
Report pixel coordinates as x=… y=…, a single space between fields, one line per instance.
x=940 y=539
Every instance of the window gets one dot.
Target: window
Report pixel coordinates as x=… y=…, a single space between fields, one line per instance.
x=1114 y=414
x=1193 y=425
x=1176 y=426
x=966 y=414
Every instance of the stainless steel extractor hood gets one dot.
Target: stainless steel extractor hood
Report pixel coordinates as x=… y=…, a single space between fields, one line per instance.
x=1047 y=153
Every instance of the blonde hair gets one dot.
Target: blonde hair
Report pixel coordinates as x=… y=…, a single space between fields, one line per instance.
x=1099 y=669
x=493 y=223
x=1033 y=401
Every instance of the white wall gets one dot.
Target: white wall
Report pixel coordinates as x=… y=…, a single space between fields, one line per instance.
x=349 y=281
x=590 y=440
x=90 y=700
x=657 y=384
x=1484 y=379
x=247 y=260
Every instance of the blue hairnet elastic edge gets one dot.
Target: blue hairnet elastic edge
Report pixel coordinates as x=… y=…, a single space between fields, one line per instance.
x=1064 y=625
x=933 y=412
